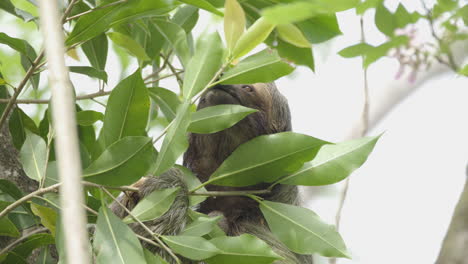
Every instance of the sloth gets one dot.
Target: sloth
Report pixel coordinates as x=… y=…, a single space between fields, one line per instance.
x=205 y=154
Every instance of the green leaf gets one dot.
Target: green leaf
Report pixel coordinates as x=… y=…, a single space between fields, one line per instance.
x=33 y=156
x=264 y=66
x=291 y=13
x=234 y=23
x=130 y=45
x=48 y=216
x=196 y=248
x=96 y=51
x=175 y=142
x=333 y=163
x=153 y=205
x=114 y=241
x=306 y=233
x=384 y=20
x=152 y=258
x=203 y=4
x=208 y=53
x=216 y=232
x=176 y=37
x=7 y=228
x=122 y=163
x=464 y=71
x=127 y=110
x=90 y=71
x=28 y=55
x=243 y=249
x=403 y=17
x=88 y=117
x=365 y=5
x=186 y=17
x=254 y=35
x=8 y=187
x=93 y=24
x=19 y=124
x=374 y=54
x=166 y=100
x=463 y=13
x=22 y=217
x=290 y=33
x=299 y=56
x=10 y=8
x=359 y=49
x=20 y=253
x=320 y=28
x=216 y=118
x=44 y=256
x=301 y=10
x=266 y=158
x=201 y=226
x=192 y=181
x=101 y=19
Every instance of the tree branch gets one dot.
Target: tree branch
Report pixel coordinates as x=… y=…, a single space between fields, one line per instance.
x=66 y=147
x=28 y=197
x=455 y=243
x=22 y=239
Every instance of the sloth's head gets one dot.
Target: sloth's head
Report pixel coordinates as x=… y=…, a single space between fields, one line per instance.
x=273 y=115
x=207 y=151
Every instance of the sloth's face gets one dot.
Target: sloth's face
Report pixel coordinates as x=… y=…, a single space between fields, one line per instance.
x=250 y=95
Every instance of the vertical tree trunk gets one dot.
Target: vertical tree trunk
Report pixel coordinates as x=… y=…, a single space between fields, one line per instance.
x=455 y=246
x=66 y=147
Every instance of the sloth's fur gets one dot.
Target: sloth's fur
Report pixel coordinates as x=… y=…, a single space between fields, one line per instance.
x=205 y=154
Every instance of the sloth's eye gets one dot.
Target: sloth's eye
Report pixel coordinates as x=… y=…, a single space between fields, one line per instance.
x=248 y=88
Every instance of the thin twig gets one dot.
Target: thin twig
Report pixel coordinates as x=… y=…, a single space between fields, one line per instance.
x=22 y=239
x=95 y=9
x=156 y=73
x=172 y=68
x=68 y=10
x=20 y=87
x=46 y=101
x=28 y=197
x=120 y=188
x=154 y=235
x=451 y=61
x=163 y=77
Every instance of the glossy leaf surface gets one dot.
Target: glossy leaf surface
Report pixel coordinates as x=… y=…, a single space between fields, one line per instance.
x=306 y=233
x=333 y=163
x=266 y=158
x=216 y=118
x=114 y=241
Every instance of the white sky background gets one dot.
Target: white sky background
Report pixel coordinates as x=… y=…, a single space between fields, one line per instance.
x=401 y=201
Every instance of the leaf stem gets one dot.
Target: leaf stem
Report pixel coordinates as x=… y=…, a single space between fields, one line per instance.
x=28 y=197
x=46 y=101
